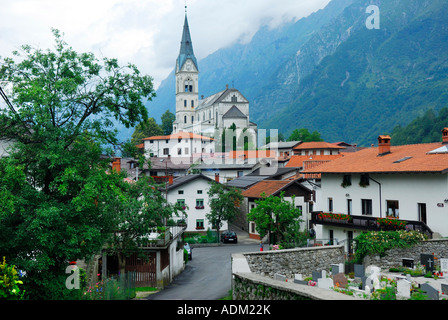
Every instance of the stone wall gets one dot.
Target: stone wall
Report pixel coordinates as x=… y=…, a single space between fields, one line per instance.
x=393 y=257
x=249 y=286
x=294 y=261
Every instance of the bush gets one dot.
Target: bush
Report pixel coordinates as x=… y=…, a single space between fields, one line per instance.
x=9 y=282
x=378 y=242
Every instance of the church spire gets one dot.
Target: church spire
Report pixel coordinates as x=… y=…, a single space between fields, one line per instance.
x=186 y=46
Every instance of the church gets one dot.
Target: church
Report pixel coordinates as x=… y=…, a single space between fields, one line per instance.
x=226 y=110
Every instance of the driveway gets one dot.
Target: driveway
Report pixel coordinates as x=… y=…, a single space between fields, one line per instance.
x=208 y=275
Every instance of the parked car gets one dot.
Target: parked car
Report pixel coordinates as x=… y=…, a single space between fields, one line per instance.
x=188 y=248
x=229 y=236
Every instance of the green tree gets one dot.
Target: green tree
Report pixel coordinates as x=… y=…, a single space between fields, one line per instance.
x=55 y=185
x=167 y=122
x=145 y=129
x=304 y=135
x=277 y=217
x=138 y=209
x=224 y=204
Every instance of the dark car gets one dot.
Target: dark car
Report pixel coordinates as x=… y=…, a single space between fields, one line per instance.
x=229 y=236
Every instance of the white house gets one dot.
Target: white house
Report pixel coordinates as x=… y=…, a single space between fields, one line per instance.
x=316 y=148
x=406 y=183
x=181 y=144
x=302 y=198
x=192 y=191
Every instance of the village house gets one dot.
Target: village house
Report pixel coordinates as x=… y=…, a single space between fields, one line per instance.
x=317 y=148
x=181 y=144
x=191 y=191
x=289 y=188
x=405 y=184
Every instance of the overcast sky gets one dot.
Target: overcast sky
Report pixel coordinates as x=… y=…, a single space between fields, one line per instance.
x=144 y=32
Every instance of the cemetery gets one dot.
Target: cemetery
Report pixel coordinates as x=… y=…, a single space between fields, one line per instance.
x=288 y=274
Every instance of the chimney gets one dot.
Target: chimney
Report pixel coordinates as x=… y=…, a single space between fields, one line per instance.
x=116 y=164
x=217 y=177
x=170 y=179
x=383 y=145
x=445 y=136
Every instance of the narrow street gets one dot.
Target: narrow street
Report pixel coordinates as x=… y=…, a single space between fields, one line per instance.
x=208 y=275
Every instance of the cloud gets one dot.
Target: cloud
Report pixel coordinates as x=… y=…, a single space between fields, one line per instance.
x=146 y=33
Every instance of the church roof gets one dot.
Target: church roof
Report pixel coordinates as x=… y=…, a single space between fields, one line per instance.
x=186 y=48
x=217 y=97
x=234 y=112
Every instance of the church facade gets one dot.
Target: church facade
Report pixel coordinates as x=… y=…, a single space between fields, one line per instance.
x=227 y=110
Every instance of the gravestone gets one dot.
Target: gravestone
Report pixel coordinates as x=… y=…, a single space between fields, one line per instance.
x=279 y=277
x=337 y=268
x=325 y=283
x=427 y=260
x=316 y=275
x=408 y=263
x=443 y=265
x=433 y=293
x=359 y=271
x=444 y=288
x=404 y=289
x=367 y=284
x=299 y=279
x=339 y=280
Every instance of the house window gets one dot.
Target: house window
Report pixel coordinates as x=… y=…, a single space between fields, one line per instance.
x=180 y=192
x=199 y=203
x=192 y=103
x=330 y=204
x=179 y=151
x=366 y=207
x=346 y=180
x=166 y=151
x=300 y=209
x=199 y=191
x=185 y=119
x=185 y=103
x=192 y=119
x=240 y=173
x=186 y=150
x=181 y=202
x=234 y=98
x=151 y=141
x=199 y=223
x=392 y=208
x=349 y=207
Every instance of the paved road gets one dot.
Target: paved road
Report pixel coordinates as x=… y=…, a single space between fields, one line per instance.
x=208 y=275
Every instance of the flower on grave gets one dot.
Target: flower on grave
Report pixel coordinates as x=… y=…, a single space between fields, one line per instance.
x=311 y=283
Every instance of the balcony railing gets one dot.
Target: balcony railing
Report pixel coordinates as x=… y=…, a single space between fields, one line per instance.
x=368 y=223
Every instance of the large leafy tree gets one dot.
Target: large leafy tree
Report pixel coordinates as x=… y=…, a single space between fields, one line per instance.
x=273 y=215
x=145 y=129
x=224 y=204
x=167 y=122
x=55 y=186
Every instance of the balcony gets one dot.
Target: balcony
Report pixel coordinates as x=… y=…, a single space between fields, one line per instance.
x=368 y=223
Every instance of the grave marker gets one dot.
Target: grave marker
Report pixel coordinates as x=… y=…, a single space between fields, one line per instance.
x=408 y=263
x=432 y=292
x=359 y=271
x=404 y=289
x=339 y=280
x=427 y=260
x=444 y=265
x=325 y=283
x=444 y=288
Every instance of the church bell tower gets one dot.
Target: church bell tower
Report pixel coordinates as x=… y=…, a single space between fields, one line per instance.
x=187 y=74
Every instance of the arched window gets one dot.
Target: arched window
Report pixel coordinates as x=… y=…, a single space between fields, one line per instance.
x=188 y=85
x=185 y=119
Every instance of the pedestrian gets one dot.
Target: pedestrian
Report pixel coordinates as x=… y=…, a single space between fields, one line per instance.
x=261 y=246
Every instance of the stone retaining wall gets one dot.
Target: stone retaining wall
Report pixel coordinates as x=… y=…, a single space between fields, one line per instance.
x=294 y=261
x=393 y=257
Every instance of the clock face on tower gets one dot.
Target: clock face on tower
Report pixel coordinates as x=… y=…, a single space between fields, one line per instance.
x=188 y=65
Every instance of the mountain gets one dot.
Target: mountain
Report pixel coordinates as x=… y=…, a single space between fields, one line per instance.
x=329 y=72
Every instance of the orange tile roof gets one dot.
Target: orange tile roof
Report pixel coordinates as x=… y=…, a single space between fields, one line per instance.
x=252 y=154
x=179 y=135
x=269 y=187
x=298 y=161
x=406 y=158
x=317 y=145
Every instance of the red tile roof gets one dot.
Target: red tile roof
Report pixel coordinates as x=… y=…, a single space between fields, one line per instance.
x=252 y=154
x=317 y=145
x=268 y=187
x=298 y=161
x=407 y=158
